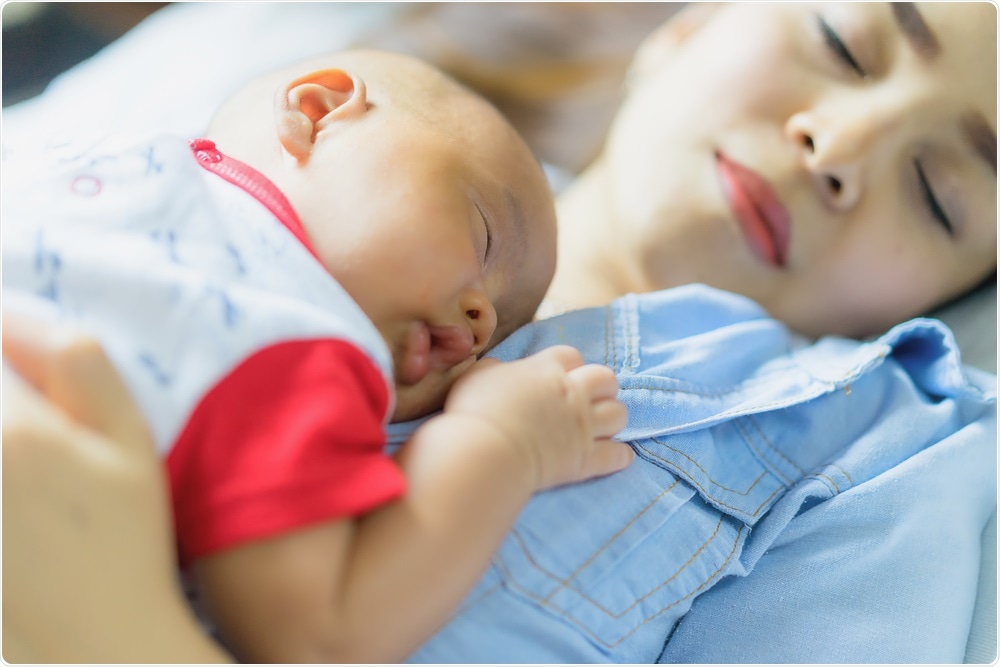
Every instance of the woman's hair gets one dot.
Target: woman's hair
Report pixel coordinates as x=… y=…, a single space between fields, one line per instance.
x=989 y=279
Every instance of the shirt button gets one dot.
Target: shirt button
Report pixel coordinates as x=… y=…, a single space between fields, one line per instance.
x=205 y=150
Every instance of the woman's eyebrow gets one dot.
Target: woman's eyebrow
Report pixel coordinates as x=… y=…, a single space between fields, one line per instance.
x=915 y=29
x=982 y=138
x=977 y=132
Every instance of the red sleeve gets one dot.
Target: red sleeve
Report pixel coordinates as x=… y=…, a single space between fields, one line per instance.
x=292 y=436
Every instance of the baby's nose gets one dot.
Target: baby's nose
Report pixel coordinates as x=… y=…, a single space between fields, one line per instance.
x=480 y=316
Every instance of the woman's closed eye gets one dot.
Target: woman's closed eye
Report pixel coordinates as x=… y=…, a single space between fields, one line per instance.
x=931 y=201
x=846 y=58
x=837 y=47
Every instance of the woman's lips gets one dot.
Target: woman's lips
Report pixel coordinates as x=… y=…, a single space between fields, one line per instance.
x=761 y=216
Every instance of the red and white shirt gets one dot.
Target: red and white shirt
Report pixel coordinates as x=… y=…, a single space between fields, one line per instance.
x=265 y=386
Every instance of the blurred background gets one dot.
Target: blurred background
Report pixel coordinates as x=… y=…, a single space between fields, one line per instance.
x=42 y=39
x=555 y=69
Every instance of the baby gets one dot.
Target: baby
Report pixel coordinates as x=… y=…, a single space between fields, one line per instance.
x=351 y=236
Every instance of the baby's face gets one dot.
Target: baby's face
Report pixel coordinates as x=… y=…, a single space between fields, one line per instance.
x=436 y=218
x=835 y=162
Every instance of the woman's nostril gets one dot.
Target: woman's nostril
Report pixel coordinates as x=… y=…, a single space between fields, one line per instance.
x=807 y=141
x=835 y=185
x=472 y=314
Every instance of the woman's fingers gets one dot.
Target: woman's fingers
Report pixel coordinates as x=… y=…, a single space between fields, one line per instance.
x=22 y=349
x=21 y=402
x=72 y=371
x=86 y=528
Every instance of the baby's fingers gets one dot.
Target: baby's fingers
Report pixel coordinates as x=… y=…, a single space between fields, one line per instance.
x=598 y=382
x=609 y=417
x=567 y=357
x=608 y=456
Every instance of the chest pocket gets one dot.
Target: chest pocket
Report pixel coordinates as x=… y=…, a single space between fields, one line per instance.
x=624 y=566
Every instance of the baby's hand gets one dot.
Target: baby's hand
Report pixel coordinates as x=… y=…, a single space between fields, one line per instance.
x=559 y=412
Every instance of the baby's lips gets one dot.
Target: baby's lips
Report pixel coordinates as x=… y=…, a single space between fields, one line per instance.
x=416 y=361
x=450 y=345
x=433 y=347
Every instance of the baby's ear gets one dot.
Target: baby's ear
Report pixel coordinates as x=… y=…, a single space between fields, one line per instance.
x=663 y=42
x=310 y=103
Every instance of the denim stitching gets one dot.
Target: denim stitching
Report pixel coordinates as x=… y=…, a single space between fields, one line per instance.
x=771 y=446
x=598 y=605
x=823 y=476
x=762 y=407
x=627 y=362
x=623 y=318
x=748 y=439
x=844 y=472
x=566 y=582
x=867 y=355
x=705 y=493
x=561 y=612
x=698 y=465
x=688 y=387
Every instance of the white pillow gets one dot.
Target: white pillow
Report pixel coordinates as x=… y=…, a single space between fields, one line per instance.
x=973 y=319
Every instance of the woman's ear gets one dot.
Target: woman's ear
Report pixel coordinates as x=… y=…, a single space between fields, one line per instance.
x=311 y=103
x=662 y=43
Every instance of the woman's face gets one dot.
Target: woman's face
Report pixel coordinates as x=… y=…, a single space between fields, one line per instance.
x=835 y=162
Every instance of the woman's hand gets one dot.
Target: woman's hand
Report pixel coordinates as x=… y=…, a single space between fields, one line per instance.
x=88 y=556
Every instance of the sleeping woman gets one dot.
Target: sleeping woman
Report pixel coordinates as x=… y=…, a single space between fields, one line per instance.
x=824 y=172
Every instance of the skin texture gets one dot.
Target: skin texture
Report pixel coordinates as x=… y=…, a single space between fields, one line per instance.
x=761 y=83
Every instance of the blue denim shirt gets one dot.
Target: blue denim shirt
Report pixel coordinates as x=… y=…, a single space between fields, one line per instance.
x=791 y=501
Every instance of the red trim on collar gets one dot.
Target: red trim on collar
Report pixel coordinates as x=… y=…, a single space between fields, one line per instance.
x=253 y=182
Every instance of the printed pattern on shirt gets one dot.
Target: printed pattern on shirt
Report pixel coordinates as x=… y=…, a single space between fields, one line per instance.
x=189 y=282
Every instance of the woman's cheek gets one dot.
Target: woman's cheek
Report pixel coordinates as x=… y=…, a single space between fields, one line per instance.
x=756 y=60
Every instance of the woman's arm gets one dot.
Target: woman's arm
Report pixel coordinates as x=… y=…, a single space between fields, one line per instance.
x=88 y=556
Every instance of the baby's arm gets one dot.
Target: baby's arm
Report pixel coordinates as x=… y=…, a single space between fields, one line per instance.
x=373 y=589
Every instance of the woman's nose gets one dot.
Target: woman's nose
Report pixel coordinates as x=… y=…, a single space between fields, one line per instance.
x=835 y=152
x=481 y=317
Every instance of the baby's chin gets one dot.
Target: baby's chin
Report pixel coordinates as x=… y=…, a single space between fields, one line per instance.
x=415 y=401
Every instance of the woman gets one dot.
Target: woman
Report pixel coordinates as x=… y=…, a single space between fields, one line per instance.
x=782 y=192
x=856 y=145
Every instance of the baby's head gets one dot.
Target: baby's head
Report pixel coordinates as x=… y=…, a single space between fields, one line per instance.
x=417 y=195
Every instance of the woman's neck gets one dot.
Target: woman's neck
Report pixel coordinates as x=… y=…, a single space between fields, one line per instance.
x=591 y=268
